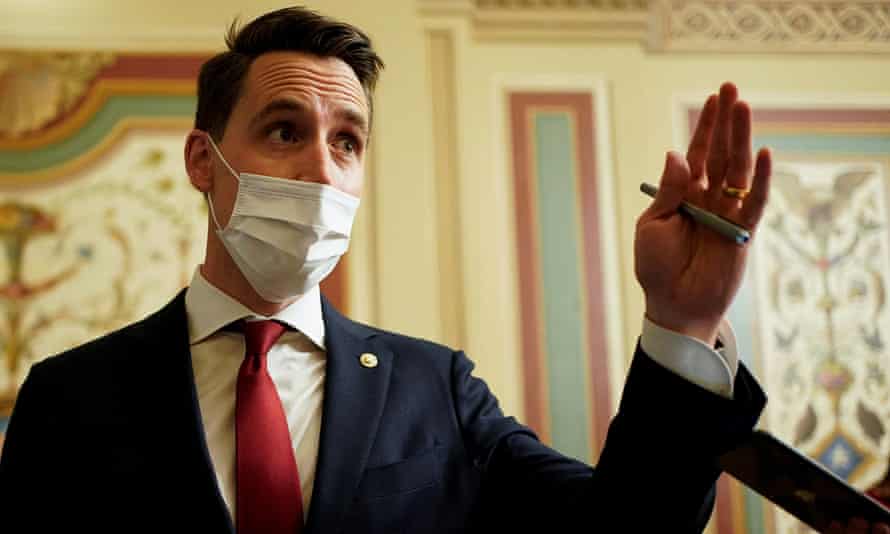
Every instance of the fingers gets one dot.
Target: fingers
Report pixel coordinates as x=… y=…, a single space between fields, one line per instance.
x=739 y=166
x=880 y=528
x=755 y=202
x=718 y=151
x=701 y=139
x=672 y=187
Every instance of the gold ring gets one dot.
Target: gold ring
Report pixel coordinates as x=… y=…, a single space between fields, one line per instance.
x=736 y=192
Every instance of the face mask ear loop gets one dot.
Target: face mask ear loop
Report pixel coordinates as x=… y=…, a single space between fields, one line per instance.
x=231 y=170
x=213 y=213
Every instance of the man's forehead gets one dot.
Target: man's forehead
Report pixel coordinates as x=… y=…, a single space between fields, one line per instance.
x=274 y=73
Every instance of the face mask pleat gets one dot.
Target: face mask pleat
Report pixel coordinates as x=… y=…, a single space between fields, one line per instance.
x=300 y=210
x=296 y=189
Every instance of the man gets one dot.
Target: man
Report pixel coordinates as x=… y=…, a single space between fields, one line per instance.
x=209 y=417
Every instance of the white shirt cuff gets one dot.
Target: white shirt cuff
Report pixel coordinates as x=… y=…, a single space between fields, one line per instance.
x=692 y=359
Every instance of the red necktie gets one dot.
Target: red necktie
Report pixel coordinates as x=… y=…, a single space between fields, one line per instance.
x=269 y=500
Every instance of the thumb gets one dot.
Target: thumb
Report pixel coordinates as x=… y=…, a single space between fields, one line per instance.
x=673 y=186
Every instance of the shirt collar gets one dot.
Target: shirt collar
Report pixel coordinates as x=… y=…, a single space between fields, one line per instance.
x=209 y=310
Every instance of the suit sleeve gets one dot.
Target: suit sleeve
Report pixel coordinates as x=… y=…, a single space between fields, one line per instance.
x=27 y=459
x=656 y=468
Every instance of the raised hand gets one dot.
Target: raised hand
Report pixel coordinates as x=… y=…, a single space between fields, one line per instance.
x=689 y=273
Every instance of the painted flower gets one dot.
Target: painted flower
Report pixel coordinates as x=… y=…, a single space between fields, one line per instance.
x=834 y=376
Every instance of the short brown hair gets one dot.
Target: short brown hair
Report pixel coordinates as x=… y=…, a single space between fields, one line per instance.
x=290 y=29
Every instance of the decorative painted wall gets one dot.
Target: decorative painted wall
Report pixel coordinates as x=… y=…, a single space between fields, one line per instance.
x=98 y=222
x=561 y=180
x=812 y=315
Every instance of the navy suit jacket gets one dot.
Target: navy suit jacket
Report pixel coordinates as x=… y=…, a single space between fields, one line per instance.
x=107 y=437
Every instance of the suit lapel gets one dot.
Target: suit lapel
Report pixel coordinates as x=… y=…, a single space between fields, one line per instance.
x=354 y=397
x=168 y=329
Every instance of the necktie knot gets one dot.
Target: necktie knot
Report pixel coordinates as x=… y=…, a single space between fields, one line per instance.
x=259 y=336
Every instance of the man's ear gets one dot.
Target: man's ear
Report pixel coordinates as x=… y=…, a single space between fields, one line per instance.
x=199 y=160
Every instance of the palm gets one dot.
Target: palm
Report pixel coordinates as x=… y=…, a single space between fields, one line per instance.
x=689 y=262
x=689 y=273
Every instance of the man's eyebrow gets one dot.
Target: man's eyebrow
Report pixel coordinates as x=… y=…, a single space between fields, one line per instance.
x=348 y=114
x=280 y=104
x=356 y=118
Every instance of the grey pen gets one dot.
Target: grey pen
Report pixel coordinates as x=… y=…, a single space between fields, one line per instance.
x=713 y=221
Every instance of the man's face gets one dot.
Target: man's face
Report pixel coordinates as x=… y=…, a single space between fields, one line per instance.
x=300 y=117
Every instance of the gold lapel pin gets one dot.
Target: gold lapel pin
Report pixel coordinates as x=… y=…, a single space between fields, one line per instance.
x=368 y=360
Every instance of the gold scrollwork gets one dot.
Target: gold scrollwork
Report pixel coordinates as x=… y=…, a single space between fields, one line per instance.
x=36 y=88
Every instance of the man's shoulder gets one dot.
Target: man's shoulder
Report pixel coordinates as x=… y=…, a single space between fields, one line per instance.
x=118 y=345
x=399 y=343
x=407 y=349
x=404 y=343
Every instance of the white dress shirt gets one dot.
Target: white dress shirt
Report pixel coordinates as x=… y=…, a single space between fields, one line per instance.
x=692 y=359
x=296 y=363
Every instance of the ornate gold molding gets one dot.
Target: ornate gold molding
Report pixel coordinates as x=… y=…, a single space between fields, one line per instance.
x=826 y=26
x=771 y=26
x=38 y=87
x=558 y=20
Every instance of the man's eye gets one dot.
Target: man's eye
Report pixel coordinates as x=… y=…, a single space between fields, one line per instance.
x=346 y=144
x=283 y=134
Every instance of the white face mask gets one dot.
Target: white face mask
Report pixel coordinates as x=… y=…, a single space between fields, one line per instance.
x=285 y=235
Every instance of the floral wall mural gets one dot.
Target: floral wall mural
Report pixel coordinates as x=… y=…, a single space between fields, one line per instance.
x=812 y=314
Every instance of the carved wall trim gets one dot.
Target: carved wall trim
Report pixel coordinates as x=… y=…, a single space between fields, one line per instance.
x=812 y=26
x=549 y=20
x=771 y=26
x=441 y=55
